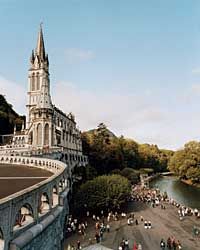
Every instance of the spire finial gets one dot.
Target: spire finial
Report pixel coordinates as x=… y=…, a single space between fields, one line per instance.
x=40 y=49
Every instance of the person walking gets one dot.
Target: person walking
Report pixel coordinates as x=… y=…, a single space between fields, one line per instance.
x=179 y=245
x=135 y=246
x=169 y=243
x=139 y=246
x=162 y=244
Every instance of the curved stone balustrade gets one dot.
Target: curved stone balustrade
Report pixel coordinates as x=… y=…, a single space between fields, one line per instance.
x=27 y=210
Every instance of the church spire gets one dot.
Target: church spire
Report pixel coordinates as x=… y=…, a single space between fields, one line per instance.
x=39 y=58
x=40 y=49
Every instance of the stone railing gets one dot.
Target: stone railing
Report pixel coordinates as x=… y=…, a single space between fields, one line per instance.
x=27 y=209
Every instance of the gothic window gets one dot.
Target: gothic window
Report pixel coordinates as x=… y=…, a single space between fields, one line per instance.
x=46 y=134
x=33 y=82
x=30 y=138
x=39 y=134
x=38 y=81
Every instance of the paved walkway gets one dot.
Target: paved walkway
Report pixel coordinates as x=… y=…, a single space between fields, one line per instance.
x=165 y=223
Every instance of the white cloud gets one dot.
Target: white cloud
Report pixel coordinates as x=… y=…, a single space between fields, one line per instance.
x=196 y=71
x=15 y=94
x=141 y=117
x=195 y=88
x=74 y=55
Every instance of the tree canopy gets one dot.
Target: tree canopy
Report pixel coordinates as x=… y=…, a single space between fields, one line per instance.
x=8 y=117
x=103 y=192
x=107 y=152
x=186 y=162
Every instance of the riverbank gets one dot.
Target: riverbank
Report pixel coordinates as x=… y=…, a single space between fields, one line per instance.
x=165 y=223
x=189 y=182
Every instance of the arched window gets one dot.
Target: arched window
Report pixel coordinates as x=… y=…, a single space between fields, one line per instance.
x=23 y=217
x=38 y=81
x=33 y=82
x=55 y=196
x=39 y=134
x=60 y=186
x=1 y=240
x=44 y=204
x=46 y=134
x=30 y=138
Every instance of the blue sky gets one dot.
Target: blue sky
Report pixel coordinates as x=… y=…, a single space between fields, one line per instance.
x=133 y=64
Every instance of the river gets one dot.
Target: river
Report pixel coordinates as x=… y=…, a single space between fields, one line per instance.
x=179 y=191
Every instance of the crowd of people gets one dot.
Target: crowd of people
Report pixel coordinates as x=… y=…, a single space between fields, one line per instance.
x=171 y=244
x=155 y=198
x=103 y=221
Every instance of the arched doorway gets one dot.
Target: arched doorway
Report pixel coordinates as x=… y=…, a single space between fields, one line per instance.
x=44 y=205
x=39 y=134
x=46 y=134
x=23 y=217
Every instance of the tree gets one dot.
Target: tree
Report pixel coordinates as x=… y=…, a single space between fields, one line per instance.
x=103 y=192
x=186 y=162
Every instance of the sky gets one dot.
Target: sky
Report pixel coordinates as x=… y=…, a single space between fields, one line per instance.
x=132 y=64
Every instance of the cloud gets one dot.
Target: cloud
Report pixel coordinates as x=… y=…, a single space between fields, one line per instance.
x=124 y=113
x=143 y=117
x=196 y=71
x=76 y=55
x=195 y=88
x=15 y=94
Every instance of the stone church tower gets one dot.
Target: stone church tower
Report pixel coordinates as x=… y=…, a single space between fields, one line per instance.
x=40 y=110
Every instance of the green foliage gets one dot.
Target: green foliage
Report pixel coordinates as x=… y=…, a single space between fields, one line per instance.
x=103 y=192
x=146 y=170
x=8 y=117
x=132 y=175
x=186 y=162
x=107 y=152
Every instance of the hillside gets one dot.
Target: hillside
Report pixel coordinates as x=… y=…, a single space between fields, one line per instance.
x=8 y=117
x=101 y=126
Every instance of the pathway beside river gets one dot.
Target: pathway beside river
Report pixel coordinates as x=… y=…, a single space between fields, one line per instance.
x=165 y=223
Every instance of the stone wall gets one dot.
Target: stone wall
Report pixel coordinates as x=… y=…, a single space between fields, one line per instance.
x=34 y=217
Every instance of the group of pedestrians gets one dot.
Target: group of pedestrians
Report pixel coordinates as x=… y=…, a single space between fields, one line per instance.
x=137 y=246
x=101 y=228
x=73 y=225
x=170 y=244
x=124 y=245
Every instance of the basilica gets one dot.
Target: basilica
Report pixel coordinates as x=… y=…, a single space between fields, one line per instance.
x=47 y=127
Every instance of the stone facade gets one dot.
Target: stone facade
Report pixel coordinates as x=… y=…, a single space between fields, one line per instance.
x=46 y=126
x=44 y=206
x=34 y=217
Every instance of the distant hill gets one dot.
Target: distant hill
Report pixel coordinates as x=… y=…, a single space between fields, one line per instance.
x=95 y=131
x=8 y=117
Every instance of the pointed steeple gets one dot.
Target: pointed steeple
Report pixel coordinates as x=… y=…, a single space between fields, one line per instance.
x=40 y=49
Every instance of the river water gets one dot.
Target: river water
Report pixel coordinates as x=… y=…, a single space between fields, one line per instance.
x=179 y=191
